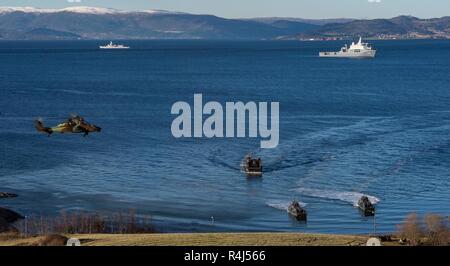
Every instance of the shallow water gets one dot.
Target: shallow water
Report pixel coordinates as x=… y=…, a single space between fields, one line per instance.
x=348 y=128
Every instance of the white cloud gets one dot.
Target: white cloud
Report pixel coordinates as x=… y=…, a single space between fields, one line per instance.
x=74 y=1
x=374 y=1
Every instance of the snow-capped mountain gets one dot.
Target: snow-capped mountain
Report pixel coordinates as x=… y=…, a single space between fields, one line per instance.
x=82 y=22
x=79 y=9
x=89 y=10
x=5 y=10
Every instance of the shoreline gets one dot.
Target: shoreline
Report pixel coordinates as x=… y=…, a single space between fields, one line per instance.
x=331 y=39
x=207 y=239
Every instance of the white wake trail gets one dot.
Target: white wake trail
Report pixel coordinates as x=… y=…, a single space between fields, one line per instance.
x=346 y=196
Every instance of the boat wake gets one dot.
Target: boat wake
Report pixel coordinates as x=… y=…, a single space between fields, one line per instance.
x=98 y=93
x=216 y=161
x=346 y=196
x=271 y=164
x=282 y=205
x=286 y=163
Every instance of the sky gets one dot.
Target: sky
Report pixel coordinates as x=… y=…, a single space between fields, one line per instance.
x=266 y=8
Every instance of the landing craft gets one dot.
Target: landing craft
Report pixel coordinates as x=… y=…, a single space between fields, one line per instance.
x=75 y=124
x=297 y=211
x=366 y=206
x=252 y=167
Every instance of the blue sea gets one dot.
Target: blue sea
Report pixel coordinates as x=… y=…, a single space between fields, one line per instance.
x=348 y=128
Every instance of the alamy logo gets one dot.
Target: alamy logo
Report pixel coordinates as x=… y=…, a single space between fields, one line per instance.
x=236 y=115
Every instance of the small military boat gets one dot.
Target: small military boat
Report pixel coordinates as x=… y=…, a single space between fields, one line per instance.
x=297 y=211
x=366 y=206
x=252 y=166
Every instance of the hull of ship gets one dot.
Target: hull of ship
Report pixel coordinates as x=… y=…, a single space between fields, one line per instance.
x=112 y=48
x=366 y=54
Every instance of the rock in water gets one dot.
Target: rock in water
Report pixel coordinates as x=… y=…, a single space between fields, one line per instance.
x=4 y=225
x=10 y=216
x=5 y=195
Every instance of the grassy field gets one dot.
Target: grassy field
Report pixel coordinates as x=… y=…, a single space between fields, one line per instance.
x=221 y=239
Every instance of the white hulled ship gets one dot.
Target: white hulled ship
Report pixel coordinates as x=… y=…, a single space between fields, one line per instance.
x=111 y=45
x=356 y=50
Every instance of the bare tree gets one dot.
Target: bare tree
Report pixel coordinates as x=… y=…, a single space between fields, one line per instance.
x=410 y=230
x=437 y=230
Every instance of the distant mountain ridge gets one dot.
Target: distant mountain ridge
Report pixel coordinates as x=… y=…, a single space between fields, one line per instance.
x=81 y=22
x=103 y=23
x=318 y=22
x=78 y=9
x=398 y=27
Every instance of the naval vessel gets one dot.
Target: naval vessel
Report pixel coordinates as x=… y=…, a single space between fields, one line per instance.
x=111 y=45
x=356 y=50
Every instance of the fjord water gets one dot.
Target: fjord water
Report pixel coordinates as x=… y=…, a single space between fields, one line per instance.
x=348 y=127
